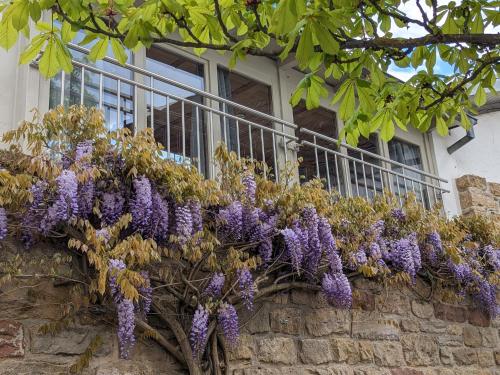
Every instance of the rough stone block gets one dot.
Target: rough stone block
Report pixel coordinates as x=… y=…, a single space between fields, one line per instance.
x=494 y=188
x=421 y=309
x=470 y=180
x=325 y=321
x=315 y=351
x=345 y=350
x=420 y=350
x=406 y=371
x=450 y=340
x=388 y=354
x=287 y=320
x=393 y=303
x=257 y=321
x=497 y=357
x=465 y=356
x=485 y=358
x=489 y=337
x=472 y=336
x=409 y=325
x=33 y=367
x=476 y=198
x=244 y=349
x=370 y=371
x=363 y=300
x=434 y=326
x=277 y=350
x=365 y=351
x=446 y=356
x=71 y=341
x=11 y=339
x=374 y=327
x=479 y=318
x=450 y=312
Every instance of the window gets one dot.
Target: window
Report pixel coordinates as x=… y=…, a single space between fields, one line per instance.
x=324 y=122
x=239 y=135
x=177 y=121
x=97 y=90
x=408 y=154
x=366 y=179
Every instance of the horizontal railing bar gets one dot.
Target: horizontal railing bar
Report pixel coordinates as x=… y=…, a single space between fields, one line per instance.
x=199 y=105
x=376 y=156
x=374 y=166
x=186 y=87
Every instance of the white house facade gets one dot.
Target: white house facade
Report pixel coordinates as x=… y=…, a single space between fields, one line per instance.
x=193 y=103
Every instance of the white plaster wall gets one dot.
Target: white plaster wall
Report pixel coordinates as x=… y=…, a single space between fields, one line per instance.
x=481 y=156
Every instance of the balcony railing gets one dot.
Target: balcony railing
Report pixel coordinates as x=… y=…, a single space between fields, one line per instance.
x=193 y=121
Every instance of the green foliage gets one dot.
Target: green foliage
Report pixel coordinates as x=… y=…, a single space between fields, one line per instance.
x=353 y=42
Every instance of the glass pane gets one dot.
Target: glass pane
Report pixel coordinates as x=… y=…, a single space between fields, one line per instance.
x=324 y=122
x=365 y=176
x=92 y=96
x=240 y=135
x=178 y=123
x=408 y=154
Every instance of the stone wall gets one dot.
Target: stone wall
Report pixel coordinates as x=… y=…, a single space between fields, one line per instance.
x=389 y=331
x=478 y=196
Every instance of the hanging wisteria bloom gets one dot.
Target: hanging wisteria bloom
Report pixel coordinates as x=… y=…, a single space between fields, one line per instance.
x=83 y=150
x=485 y=295
x=86 y=192
x=462 y=272
x=142 y=203
x=103 y=234
x=402 y=256
x=250 y=188
x=34 y=215
x=329 y=245
x=3 y=223
x=293 y=247
x=415 y=251
x=231 y=220
x=183 y=223
x=215 y=285
x=196 y=215
x=112 y=204
x=247 y=289
x=66 y=203
x=398 y=214
x=337 y=290
x=146 y=293
x=125 y=310
x=492 y=256
x=199 y=330
x=228 y=321
x=159 y=218
x=374 y=251
x=312 y=254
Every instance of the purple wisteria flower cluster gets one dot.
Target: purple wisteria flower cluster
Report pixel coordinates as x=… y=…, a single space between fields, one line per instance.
x=199 y=330
x=241 y=221
x=125 y=308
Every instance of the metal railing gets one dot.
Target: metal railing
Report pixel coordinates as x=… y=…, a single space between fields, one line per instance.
x=356 y=172
x=189 y=122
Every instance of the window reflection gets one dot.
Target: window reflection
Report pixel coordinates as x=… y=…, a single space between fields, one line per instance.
x=179 y=125
x=92 y=85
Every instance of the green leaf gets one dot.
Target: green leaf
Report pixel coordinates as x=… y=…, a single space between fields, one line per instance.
x=99 y=50
x=49 y=64
x=297 y=96
x=480 y=97
x=8 y=34
x=441 y=127
x=119 y=51
x=33 y=49
x=348 y=103
x=67 y=34
x=387 y=130
x=20 y=12
x=305 y=49
x=326 y=41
